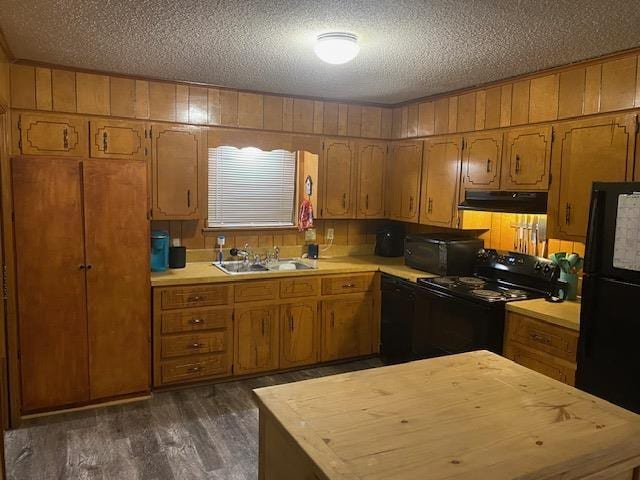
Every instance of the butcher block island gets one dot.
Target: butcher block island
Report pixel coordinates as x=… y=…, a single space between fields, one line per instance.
x=469 y=416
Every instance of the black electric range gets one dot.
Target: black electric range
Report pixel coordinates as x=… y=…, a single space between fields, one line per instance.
x=460 y=314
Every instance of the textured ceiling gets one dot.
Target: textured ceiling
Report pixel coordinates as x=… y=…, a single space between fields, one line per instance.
x=409 y=49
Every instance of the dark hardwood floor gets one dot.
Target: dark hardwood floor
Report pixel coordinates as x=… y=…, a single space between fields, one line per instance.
x=207 y=432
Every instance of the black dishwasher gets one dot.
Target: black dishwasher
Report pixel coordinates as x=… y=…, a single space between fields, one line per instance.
x=398 y=313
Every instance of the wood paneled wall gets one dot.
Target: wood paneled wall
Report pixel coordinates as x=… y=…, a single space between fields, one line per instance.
x=58 y=90
x=346 y=232
x=4 y=79
x=608 y=85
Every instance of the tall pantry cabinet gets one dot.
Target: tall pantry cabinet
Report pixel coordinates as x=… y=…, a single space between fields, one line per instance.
x=82 y=267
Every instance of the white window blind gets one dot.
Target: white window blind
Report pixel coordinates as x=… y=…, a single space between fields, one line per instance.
x=251 y=187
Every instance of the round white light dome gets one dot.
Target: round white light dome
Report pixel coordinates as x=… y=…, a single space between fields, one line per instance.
x=337 y=48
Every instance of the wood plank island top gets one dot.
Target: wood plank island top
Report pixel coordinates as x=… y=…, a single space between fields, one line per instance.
x=470 y=416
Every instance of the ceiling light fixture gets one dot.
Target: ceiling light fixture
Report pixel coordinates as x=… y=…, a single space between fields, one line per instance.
x=337 y=48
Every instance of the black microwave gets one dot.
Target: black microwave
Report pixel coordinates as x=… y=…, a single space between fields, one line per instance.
x=441 y=254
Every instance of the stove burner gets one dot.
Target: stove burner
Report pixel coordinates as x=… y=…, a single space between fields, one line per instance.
x=444 y=281
x=514 y=293
x=488 y=294
x=473 y=281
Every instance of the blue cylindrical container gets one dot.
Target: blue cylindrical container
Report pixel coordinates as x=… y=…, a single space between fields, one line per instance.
x=159 y=251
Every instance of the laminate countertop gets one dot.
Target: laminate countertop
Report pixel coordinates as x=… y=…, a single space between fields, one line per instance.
x=470 y=416
x=565 y=314
x=204 y=272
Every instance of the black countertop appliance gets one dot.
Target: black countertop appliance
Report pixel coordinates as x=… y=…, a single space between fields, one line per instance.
x=608 y=364
x=441 y=253
x=390 y=241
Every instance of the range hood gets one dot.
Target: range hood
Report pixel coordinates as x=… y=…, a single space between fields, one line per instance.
x=509 y=202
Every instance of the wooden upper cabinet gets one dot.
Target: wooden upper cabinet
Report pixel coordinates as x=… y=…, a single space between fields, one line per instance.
x=481 y=161
x=257 y=335
x=47 y=134
x=179 y=154
x=527 y=159
x=347 y=327
x=371 y=179
x=584 y=152
x=118 y=139
x=299 y=333
x=440 y=181
x=339 y=176
x=404 y=170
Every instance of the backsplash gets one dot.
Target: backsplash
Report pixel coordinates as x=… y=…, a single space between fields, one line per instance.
x=346 y=232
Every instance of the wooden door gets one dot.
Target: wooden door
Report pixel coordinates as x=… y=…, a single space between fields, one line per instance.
x=179 y=154
x=440 y=181
x=347 y=326
x=299 y=333
x=52 y=321
x=584 y=152
x=404 y=170
x=118 y=290
x=527 y=158
x=118 y=139
x=371 y=179
x=256 y=338
x=481 y=160
x=339 y=175
x=47 y=134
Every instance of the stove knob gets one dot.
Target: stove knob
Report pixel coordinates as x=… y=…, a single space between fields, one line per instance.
x=547 y=268
x=537 y=267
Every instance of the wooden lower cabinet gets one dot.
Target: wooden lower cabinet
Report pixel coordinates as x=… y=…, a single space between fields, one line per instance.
x=546 y=348
x=303 y=321
x=299 y=334
x=256 y=338
x=347 y=327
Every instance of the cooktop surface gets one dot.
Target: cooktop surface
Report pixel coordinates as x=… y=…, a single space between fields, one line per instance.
x=479 y=289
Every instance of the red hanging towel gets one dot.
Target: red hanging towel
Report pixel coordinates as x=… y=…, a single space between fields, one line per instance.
x=306 y=215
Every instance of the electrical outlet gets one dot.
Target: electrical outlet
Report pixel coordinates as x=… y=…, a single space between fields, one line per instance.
x=329 y=233
x=310 y=235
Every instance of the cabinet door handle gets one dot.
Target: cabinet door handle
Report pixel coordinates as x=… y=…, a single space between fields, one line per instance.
x=82 y=267
x=488 y=165
x=349 y=285
x=196 y=321
x=105 y=142
x=430 y=205
x=65 y=138
x=540 y=339
x=189 y=198
x=333 y=319
x=410 y=204
x=194 y=298
x=89 y=266
x=517 y=164
x=344 y=200
x=567 y=214
x=366 y=201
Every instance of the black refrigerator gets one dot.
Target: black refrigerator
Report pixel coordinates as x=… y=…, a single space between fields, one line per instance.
x=609 y=347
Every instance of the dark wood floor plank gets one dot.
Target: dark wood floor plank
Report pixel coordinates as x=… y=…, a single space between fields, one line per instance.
x=207 y=432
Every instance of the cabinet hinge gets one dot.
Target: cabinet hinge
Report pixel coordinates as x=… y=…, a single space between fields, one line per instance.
x=146 y=152
x=5 y=283
x=322 y=145
x=553 y=134
x=550 y=178
x=146 y=133
x=20 y=144
x=321 y=210
x=150 y=214
x=150 y=132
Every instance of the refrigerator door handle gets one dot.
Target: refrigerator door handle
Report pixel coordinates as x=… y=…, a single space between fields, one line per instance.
x=593 y=242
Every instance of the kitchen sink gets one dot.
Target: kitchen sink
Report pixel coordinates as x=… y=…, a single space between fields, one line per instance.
x=238 y=267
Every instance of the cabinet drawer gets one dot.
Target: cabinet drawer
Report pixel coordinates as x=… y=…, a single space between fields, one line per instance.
x=299 y=287
x=195 y=343
x=347 y=284
x=194 y=320
x=558 y=341
x=193 y=368
x=206 y=296
x=255 y=291
x=542 y=363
